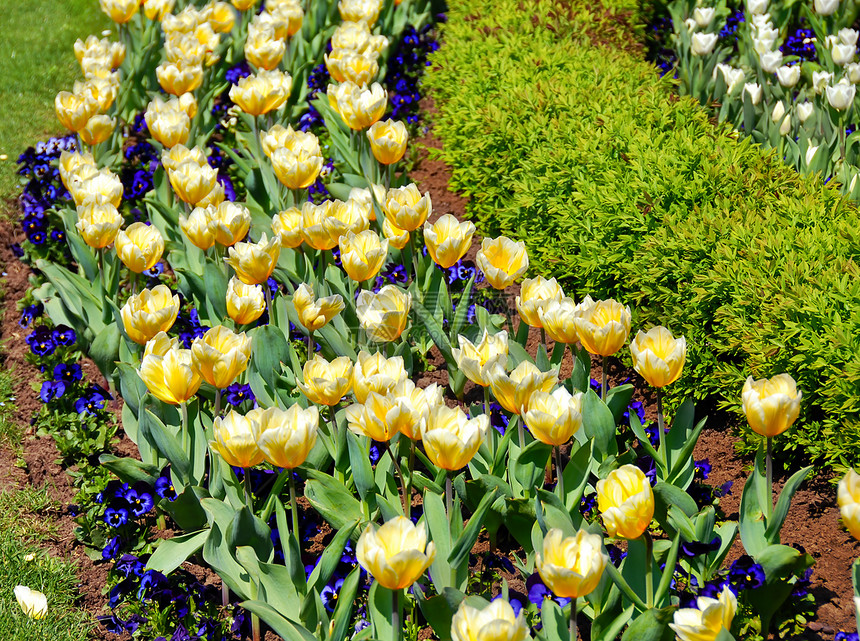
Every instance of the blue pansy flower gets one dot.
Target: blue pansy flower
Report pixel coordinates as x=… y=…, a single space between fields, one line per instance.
x=68 y=373
x=51 y=390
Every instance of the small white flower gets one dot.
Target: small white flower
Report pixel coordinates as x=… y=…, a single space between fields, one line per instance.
x=704 y=15
x=804 y=111
x=755 y=92
x=703 y=43
x=810 y=154
x=788 y=76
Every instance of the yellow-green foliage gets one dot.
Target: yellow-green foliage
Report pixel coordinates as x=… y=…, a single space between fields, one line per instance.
x=563 y=136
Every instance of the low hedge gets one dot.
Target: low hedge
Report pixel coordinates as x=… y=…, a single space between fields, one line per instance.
x=561 y=134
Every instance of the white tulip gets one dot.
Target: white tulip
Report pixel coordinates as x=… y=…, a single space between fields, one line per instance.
x=763 y=45
x=810 y=154
x=704 y=15
x=826 y=7
x=755 y=92
x=766 y=32
x=804 y=111
x=770 y=61
x=690 y=24
x=852 y=70
x=779 y=115
x=843 y=54
x=820 y=80
x=850 y=189
x=703 y=43
x=734 y=79
x=757 y=7
x=761 y=20
x=831 y=40
x=841 y=95
x=788 y=76
x=848 y=36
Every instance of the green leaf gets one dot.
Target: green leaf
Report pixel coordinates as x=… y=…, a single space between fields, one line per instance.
x=104 y=350
x=555 y=624
x=286 y=629
x=752 y=522
x=461 y=549
x=599 y=424
x=531 y=464
x=651 y=625
x=783 y=503
x=171 y=553
x=130 y=470
x=359 y=461
x=331 y=499
x=342 y=616
x=330 y=558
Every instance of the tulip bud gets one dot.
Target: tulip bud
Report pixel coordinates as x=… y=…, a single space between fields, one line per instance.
x=413 y=405
x=450 y=438
x=222 y=18
x=220 y=355
x=326 y=383
x=179 y=79
x=378 y=418
x=515 y=391
x=350 y=66
x=848 y=498
x=362 y=255
x=245 y=303
x=299 y=168
x=788 y=76
x=734 y=78
x=74 y=111
x=230 y=223
x=536 y=294
x=770 y=61
x=554 y=418
x=502 y=260
x=157 y=9
x=706 y=621
x=72 y=162
x=703 y=16
x=286 y=437
x=603 y=326
x=244 y=5
x=149 y=312
x=260 y=94
x=102 y=188
x=192 y=182
x=476 y=361
x=198 y=227
x=120 y=11
x=254 y=262
x=810 y=154
x=558 y=319
x=826 y=7
x=448 y=240
x=375 y=373
x=359 y=10
x=771 y=405
x=98 y=224
x=383 y=315
x=571 y=567
x=852 y=71
x=175 y=156
x=406 y=208
x=139 y=247
x=757 y=7
x=262 y=48
x=168 y=371
x=97 y=130
x=315 y=313
x=357 y=37
x=703 y=43
x=289 y=13
x=387 y=141
x=32 y=602
x=820 y=80
x=754 y=91
x=167 y=122
x=843 y=54
x=287 y=226
x=396 y=554
x=626 y=502
x=364 y=198
x=495 y=622
x=351 y=215
x=360 y=107
x=658 y=356
x=235 y=439
x=841 y=95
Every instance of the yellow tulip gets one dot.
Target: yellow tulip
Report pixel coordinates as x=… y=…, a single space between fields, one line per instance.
x=375 y=373
x=221 y=355
x=395 y=236
x=98 y=224
x=315 y=313
x=771 y=405
x=188 y=104
x=102 y=187
x=388 y=141
x=262 y=47
x=448 y=240
x=515 y=391
x=74 y=111
x=291 y=14
x=396 y=554
x=179 y=79
x=287 y=226
x=326 y=382
x=157 y=9
x=235 y=439
x=707 y=620
x=198 y=227
x=353 y=215
x=536 y=294
x=658 y=356
x=363 y=197
x=554 y=418
x=255 y=262
x=168 y=371
x=245 y=303
x=349 y=66
x=406 y=208
x=32 y=602
x=296 y=170
x=378 y=417
x=101 y=91
x=112 y=52
x=495 y=622
x=183 y=52
x=320 y=229
x=98 y=129
x=287 y=436
x=71 y=162
x=602 y=326
x=362 y=255
x=175 y=156
x=557 y=318
x=360 y=107
x=359 y=10
x=148 y=313
x=626 y=502
x=222 y=17
x=192 y=182
x=384 y=315
x=266 y=18
x=259 y=94
x=244 y=5
x=502 y=260
x=571 y=566
x=848 y=498
x=230 y=223
x=357 y=37
x=120 y=11
x=139 y=246
x=413 y=406
x=296 y=141
x=215 y=196
x=167 y=122
x=475 y=361
x=450 y=438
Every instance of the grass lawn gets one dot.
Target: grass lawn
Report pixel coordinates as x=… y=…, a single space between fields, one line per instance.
x=38 y=61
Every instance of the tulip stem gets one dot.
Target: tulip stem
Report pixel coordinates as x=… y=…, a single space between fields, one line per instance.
x=449 y=499
x=573 y=630
x=268 y=294
x=410 y=466
x=487 y=400
x=183 y=409
x=294 y=508
x=769 y=476
x=218 y=401
x=407 y=503
x=395 y=615
x=310 y=344
x=321 y=278
x=249 y=496
x=225 y=594
x=558 y=473
x=520 y=432
x=603 y=381
x=661 y=429
x=414 y=256
x=649 y=577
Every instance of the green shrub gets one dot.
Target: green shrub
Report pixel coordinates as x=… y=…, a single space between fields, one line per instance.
x=561 y=134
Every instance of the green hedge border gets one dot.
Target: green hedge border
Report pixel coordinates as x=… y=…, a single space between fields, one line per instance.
x=561 y=134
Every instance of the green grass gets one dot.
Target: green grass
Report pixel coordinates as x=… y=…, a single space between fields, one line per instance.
x=38 y=61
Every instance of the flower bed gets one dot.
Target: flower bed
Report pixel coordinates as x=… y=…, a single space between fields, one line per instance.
x=264 y=300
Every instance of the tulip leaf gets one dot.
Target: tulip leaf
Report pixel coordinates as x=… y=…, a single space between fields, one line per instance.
x=186 y=509
x=171 y=553
x=274 y=583
x=379 y=604
x=84 y=256
x=462 y=310
x=666 y=496
x=666 y=580
x=617 y=400
x=359 y=462
x=249 y=530
x=576 y=474
x=460 y=550
x=290 y=549
x=555 y=624
x=651 y=625
x=783 y=503
x=752 y=521
x=163 y=440
x=581 y=374
x=609 y=623
x=440 y=533
x=531 y=464
x=779 y=563
x=330 y=558
x=554 y=514
x=269 y=350
x=283 y=627
x=217 y=555
x=625 y=588
x=331 y=499
x=599 y=424
x=342 y=615
x=433 y=328
x=130 y=470
x=855 y=581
